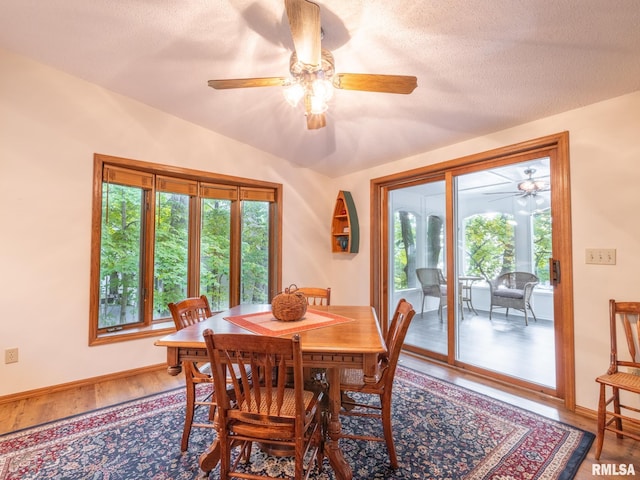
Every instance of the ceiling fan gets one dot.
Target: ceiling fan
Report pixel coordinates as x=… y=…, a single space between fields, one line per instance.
x=313 y=76
x=529 y=187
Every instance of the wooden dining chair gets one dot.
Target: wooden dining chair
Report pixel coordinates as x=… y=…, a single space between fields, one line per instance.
x=626 y=381
x=266 y=411
x=378 y=403
x=189 y=312
x=316 y=296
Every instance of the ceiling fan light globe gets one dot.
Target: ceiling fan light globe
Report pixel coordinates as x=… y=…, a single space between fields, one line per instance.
x=527 y=186
x=322 y=88
x=317 y=105
x=293 y=93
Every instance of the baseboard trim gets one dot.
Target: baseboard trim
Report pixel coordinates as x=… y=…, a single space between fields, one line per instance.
x=633 y=428
x=13 y=397
x=587 y=412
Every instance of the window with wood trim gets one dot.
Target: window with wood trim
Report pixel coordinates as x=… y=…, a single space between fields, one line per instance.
x=161 y=234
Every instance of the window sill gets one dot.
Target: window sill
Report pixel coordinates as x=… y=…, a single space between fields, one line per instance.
x=155 y=330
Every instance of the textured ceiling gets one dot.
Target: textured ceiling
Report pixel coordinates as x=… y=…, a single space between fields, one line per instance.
x=482 y=65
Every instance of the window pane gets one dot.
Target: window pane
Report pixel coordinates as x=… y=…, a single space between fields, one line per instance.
x=215 y=249
x=171 y=251
x=254 y=281
x=121 y=250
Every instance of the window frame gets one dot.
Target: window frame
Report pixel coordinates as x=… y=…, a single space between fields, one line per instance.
x=246 y=188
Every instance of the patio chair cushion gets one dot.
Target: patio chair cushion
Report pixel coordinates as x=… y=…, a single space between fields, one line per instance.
x=509 y=292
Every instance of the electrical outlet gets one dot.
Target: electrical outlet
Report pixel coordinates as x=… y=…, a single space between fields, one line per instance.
x=600 y=256
x=11 y=355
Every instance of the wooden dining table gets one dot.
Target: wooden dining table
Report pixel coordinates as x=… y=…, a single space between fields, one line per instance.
x=355 y=343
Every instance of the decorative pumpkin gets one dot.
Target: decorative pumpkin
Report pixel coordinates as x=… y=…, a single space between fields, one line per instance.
x=290 y=305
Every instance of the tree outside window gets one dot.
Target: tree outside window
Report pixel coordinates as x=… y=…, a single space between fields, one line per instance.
x=489 y=245
x=215 y=245
x=542 y=249
x=255 y=252
x=121 y=252
x=171 y=251
x=404 y=252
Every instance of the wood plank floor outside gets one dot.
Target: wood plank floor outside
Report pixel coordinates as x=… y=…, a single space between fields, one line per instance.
x=33 y=411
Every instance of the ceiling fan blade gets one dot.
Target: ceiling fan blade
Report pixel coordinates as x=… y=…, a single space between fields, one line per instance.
x=304 y=21
x=375 y=83
x=316 y=120
x=502 y=193
x=248 y=82
x=506 y=195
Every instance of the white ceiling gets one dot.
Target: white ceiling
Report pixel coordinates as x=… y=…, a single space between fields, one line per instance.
x=482 y=65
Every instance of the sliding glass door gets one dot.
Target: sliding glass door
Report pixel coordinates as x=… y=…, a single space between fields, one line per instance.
x=471 y=244
x=504 y=318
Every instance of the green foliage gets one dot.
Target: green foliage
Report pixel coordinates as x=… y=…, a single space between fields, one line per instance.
x=215 y=248
x=120 y=255
x=254 y=284
x=122 y=249
x=489 y=245
x=171 y=255
x=542 y=249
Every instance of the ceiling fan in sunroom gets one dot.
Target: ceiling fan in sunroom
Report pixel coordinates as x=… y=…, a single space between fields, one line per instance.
x=526 y=188
x=312 y=69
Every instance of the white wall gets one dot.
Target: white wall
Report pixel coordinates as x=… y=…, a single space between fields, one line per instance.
x=605 y=172
x=50 y=126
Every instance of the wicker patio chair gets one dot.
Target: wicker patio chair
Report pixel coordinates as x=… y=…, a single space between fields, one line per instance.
x=434 y=285
x=513 y=290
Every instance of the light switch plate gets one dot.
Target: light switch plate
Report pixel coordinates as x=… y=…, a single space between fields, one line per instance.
x=600 y=256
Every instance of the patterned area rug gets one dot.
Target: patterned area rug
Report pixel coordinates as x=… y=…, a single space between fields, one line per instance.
x=442 y=432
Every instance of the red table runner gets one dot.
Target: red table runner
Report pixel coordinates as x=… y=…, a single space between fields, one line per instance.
x=264 y=323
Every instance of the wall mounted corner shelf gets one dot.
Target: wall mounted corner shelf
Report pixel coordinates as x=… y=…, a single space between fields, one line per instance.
x=345 y=232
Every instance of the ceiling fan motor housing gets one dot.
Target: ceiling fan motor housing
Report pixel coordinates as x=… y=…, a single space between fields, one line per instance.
x=301 y=71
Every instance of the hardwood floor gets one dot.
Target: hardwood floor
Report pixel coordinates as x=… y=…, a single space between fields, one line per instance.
x=33 y=411
x=615 y=451
x=45 y=408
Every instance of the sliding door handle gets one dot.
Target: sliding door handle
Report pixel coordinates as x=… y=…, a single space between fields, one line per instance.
x=554 y=267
